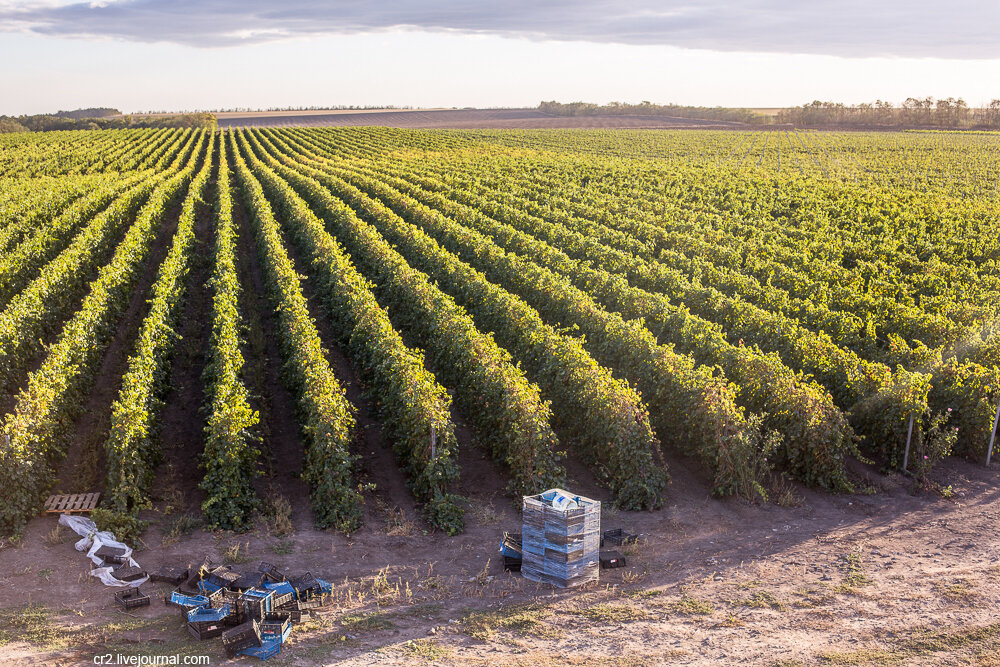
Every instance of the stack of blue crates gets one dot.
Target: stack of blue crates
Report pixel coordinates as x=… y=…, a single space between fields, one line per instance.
x=560 y=546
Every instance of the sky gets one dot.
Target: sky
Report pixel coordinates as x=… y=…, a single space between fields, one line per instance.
x=141 y=55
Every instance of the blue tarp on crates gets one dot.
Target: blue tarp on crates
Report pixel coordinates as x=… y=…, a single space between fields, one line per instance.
x=190 y=601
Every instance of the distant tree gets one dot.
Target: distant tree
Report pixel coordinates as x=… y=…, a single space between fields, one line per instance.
x=8 y=124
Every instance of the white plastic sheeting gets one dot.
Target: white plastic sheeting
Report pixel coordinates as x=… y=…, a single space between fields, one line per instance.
x=93 y=540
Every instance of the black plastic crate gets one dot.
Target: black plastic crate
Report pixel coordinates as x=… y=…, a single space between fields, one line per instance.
x=242 y=636
x=201 y=630
x=511 y=564
x=190 y=585
x=249 y=580
x=129 y=573
x=618 y=537
x=295 y=609
x=275 y=624
x=111 y=555
x=222 y=577
x=258 y=602
x=237 y=606
x=611 y=560
x=272 y=572
x=199 y=572
x=304 y=582
x=131 y=598
x=169 y=575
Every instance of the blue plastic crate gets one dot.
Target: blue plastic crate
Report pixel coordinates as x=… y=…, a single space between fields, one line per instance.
x=206 y=614
x=280 y=588
x=260 y=594
x=206 y=586
x=510 y=545
x=325 y=587
x=189 y=601
x=284 y=592
x=267 y=649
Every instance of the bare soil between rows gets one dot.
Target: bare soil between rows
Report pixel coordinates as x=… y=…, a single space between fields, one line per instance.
x=888 y=576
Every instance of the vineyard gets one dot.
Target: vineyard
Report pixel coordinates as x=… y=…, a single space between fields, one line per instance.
x=768 y=305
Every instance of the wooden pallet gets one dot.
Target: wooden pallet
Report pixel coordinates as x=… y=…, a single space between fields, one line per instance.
x=72 y=504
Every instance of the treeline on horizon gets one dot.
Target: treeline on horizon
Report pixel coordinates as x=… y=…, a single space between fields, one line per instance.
x=101 y=119
x=738 y=115
x=926 y=112
x=913 y=112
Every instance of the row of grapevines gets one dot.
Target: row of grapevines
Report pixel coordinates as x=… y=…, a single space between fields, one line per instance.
x=328 y=417
x=56 y=392
x=604 y=415
x=851 y=380
x=39 y=308
x=130 y=449
x=689 y=408
x=230 y=455
x=415 y=409
x=816 y=433
x=506 y=411
x=36 y=201
x=23 y=263
x=968 y=391
x=638 y=234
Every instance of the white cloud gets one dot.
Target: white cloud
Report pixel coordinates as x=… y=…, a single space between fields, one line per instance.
x=854 y=28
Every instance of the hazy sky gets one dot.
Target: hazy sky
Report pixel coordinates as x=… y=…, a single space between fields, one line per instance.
x=181 y=54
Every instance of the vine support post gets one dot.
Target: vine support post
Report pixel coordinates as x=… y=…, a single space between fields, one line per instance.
x=433 y=443
x=993 y=435
x=909 y=436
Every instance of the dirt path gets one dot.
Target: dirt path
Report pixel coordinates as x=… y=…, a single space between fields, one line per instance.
x=889 y=577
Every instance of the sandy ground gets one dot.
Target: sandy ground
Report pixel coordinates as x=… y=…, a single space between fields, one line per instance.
x=888 y=576
x=458 y=119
